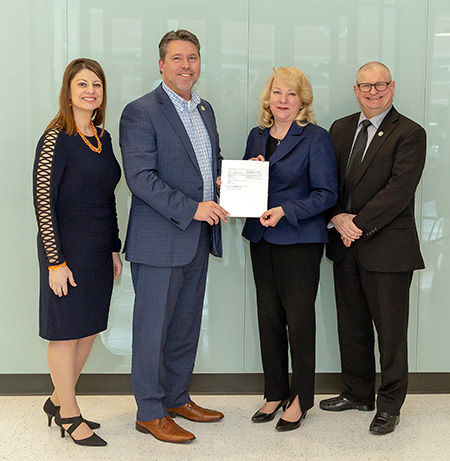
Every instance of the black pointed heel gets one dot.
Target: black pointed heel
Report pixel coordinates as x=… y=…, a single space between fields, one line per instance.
x=283 y=425
x=93 y=441
x=50 y=409
x=260 y=417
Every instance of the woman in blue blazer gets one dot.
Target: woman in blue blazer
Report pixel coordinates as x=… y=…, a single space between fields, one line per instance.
x=287 y=240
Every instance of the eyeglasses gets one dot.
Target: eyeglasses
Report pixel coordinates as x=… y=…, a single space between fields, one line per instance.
x=367 y=87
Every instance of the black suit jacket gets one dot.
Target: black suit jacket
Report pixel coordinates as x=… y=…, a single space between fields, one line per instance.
x=383 y=194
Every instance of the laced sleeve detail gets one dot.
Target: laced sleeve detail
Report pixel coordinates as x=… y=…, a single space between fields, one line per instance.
x=43 y=199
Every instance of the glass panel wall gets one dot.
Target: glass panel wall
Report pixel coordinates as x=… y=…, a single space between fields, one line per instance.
x=241 y=42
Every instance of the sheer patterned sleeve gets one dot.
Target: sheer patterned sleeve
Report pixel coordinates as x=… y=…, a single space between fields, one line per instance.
x=44 y=197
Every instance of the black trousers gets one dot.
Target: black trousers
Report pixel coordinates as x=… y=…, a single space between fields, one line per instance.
x=286 y=279
x=364 y=298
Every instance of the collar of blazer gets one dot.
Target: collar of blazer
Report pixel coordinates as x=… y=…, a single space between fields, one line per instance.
x=170 y=112
x=387 y=126
x=293 y=137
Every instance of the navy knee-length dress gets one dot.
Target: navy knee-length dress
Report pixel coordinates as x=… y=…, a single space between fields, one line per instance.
x=76 y=213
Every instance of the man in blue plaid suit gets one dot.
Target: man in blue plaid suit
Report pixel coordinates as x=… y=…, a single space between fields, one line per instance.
x=171 y=159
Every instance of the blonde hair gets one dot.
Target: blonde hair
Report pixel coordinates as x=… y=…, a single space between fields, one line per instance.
x=297 y=81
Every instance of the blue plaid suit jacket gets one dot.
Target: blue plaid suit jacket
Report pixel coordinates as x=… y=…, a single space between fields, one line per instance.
x=163 y=175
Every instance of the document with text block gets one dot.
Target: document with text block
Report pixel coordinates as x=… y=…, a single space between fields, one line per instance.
x=245 y=187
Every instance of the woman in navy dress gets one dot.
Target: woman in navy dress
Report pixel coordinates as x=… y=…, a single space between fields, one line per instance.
x=75 y=174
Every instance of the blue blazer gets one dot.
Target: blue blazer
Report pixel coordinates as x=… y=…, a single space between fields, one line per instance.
x=163 y=175
x=302 y=180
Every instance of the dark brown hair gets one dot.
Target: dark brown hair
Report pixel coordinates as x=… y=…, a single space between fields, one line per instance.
x=180 y=34
x=64 y=119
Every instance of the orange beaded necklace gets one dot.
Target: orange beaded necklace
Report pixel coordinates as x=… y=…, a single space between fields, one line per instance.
x=97 y=149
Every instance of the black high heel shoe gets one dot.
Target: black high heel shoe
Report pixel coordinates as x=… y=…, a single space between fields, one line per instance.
x=283 y=425
x=50 y=408
x=260 y=417
x=93 y=441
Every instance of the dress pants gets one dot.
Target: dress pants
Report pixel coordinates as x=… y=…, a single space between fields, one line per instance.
x=166 y=326
x=364 y=298
x=286 y=279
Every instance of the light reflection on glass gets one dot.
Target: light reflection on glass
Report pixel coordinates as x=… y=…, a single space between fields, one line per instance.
x=241 y=42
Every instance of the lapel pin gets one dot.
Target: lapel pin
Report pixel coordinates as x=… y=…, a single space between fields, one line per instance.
x=380 y=133
x=202 y=108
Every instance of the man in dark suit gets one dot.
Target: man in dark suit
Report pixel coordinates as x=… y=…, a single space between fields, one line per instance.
x=171 y=159
x=374 y=246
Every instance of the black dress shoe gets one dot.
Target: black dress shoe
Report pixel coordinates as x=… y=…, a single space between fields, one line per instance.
x=283 y=425
x=50 y=408
x=92 y=441
x=341 y=403
x=260 y=417
x=383 y=423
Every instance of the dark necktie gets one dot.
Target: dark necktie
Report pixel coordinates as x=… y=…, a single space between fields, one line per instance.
x=358 y=151
x=354 y=163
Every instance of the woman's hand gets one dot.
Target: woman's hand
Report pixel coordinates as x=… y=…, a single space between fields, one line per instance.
x=117 y=263
x=58 y=281
x=260 y=158
x=271 y=217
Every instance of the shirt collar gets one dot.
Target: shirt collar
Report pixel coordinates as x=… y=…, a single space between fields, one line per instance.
x=376 y=121
x=180 y=102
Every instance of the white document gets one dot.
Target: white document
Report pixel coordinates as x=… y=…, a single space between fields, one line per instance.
x=245 y=187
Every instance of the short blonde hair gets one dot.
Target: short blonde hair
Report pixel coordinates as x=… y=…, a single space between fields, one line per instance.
x=297 y=80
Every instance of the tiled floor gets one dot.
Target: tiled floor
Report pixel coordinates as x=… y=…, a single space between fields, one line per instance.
x=423 y=433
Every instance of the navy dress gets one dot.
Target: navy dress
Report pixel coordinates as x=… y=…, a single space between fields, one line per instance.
x=75 y=206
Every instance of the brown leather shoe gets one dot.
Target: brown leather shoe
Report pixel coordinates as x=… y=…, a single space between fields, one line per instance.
x=193 y=412
x=165 y=429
